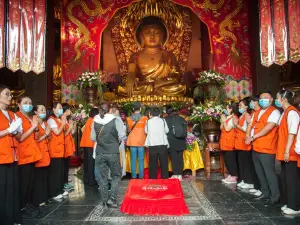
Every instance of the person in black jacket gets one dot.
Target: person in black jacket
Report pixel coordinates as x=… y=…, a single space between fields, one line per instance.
x=177 y=145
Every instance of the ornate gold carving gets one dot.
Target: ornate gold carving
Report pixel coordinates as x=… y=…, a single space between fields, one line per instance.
x=208 y=5
x=57 y=81
x=83 y=30
x=177 y=21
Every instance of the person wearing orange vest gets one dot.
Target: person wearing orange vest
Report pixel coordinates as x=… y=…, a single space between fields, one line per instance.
x=264 y=137
x=227 y=142
x=70 y=129
x=136 y=139
x=88 y=145
x=56 y=123
x=10 y=128
x=245 y=163
x=297 y=146
x=28 y=154
x=287 y=131
x=40 y=189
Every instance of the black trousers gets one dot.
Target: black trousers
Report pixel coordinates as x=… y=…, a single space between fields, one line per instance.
x=89 y=167
x=56 y=177
x=66 y=164
x=158 y=152
x=290 y=176
x=265 y=169
x=40 y=189
x=231 y=162
x=9 y=194
x=26 y=181
x=246 y=168
x=177 y=162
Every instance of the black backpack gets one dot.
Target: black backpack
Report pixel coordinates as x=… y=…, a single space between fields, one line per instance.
x=179 y=127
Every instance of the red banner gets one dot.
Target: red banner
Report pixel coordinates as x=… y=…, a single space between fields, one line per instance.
x=26 y=36
x=2 y=38
x=294 y=30
x=13 y=40
x=280 y=32
x=39 y=36
x=266 y=34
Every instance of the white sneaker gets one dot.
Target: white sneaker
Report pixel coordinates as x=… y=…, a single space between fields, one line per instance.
x=258 y=193
x=240 y=183
x=65 y=194
x=247 y=186
x=227 y=178
x=283 y=207
x=252 y=191
x=58 y=197
x=289 y=211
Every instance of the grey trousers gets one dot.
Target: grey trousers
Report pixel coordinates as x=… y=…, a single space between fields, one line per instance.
x=265 y=169
x=104 y=163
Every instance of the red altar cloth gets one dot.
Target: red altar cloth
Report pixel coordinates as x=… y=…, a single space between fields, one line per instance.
x=154 y=197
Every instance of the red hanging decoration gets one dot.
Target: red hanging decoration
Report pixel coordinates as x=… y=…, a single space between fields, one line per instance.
x=294 y=30
x=2 y=38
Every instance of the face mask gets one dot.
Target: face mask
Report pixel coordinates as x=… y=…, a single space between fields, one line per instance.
x=42 y=115
x=278 y=104
x=251 y=105
x=225 y=112
x=241 y=110
x=27 y=108
x=264 y=103
x=60 y=112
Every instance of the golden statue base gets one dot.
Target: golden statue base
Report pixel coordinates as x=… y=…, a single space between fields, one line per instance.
x=156 y=100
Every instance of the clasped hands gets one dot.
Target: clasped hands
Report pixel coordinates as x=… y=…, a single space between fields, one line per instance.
x=14 y=126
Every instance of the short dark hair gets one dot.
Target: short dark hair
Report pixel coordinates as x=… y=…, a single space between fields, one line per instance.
x=254 y=98
x=2 y=87
x=169 y=109
x=93 y=112
x=266 y=92
x=155 y=111
x=136 y=106
x=288 y=94
x=246 y=102
x=65 y=106
x=234 y=106
x=103 y=109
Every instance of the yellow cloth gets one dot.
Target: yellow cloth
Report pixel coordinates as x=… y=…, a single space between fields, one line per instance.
x=191 y=159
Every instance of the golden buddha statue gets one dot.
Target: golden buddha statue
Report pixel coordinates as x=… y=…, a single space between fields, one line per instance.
x=152 y=71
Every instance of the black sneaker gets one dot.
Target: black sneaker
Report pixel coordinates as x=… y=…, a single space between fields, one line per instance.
x=112 y=203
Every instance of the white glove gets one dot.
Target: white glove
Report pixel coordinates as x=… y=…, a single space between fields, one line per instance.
x=15 y=125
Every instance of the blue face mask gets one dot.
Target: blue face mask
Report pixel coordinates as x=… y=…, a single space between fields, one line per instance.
x=241 y=110
x=264 y=103
x=251 y=105
x=60 y=112
x=225 y=112
x=42 y=115
x=27 y=108
x=277 y=103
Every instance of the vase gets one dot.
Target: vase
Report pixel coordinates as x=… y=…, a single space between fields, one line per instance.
x=211 y=130
x=91 y=95
x=210 y=91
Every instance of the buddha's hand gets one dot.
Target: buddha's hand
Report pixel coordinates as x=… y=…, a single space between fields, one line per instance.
x=130 y=86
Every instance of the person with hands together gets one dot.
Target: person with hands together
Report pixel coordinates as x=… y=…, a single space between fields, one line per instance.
x=40 y=189
x=28 y=154
x=10 y=129
x=262 y=133
x=227 y=142
x=56 y=123
x=287 y=131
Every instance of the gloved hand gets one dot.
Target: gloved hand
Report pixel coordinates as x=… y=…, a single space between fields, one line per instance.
x=15 y=125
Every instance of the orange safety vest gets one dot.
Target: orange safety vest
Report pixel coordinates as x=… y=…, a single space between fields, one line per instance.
x=69 y=144
x=268 y=143
x=283 y=134
x=240 y=136
x=86 y=141
x=57 y=142
x=44 y=147
x=227 y=138
x=137 y=136
x=28 y=150
x=8 y=143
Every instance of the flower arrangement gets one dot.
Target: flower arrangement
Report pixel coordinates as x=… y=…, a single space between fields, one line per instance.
x=210 y=76
x=88 y=79
x=81 y=114
x=190 y=139
x=207 y=111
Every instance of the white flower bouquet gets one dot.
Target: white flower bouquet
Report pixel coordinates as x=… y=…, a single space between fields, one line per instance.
x=207 y=111
x=210 y=76
x=88 y=79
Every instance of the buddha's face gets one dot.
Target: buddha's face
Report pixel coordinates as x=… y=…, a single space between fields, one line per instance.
x=151 y=36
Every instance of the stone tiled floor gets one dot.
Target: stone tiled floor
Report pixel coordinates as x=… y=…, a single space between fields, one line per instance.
x=209 y=201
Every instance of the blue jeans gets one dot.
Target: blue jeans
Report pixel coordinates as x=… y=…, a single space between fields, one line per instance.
x=134 y=151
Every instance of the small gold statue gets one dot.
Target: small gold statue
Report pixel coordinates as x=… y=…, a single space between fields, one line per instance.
x=152 y=71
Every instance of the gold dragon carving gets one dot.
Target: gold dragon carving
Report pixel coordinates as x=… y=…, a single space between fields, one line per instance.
x=208 y=5
x=91 y=12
